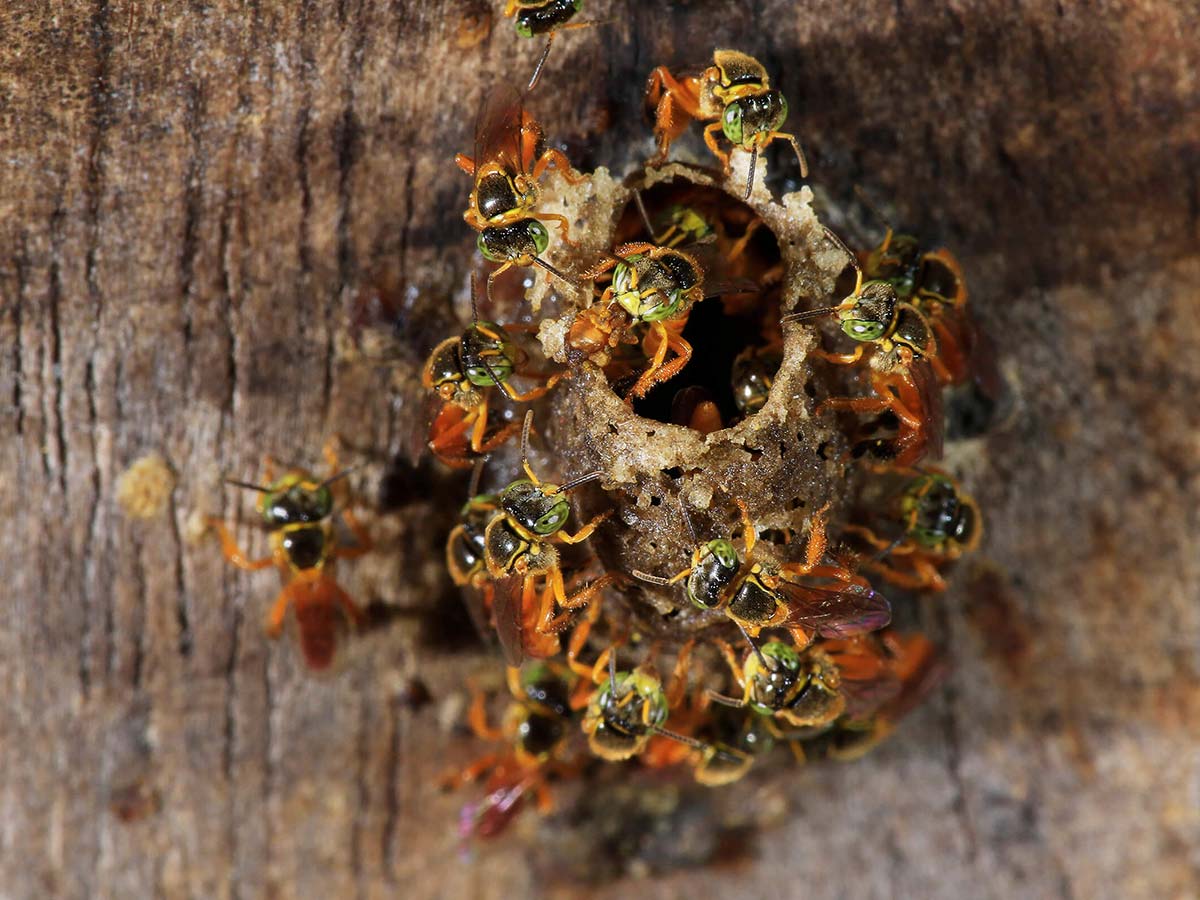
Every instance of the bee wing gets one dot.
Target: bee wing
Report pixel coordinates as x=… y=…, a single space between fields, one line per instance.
x=835 y=611
x=507 y=592
x=498 y=128
x=930 y=393
x=730 y=286
x=864 y=698
x=479 y=604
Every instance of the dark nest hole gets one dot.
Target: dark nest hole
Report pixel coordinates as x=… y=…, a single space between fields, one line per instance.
x=742 y=305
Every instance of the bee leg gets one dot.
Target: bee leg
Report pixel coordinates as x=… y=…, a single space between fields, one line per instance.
x=869 y=536
x=856 y=404
x=352 y=610
x=814 y=549
x=677 y=686
x=456 y=778
x=564 y=227
x=465 y=163
x=279 y=610
x=477 y=717
x=841 y=359
x=493 y=275
x=561 y=163
x=710 y=138
x=233 y=553
x=924 y=576
x=585 y=532
x=749 y=532
x=364 y=544
x=544 y=798
x=739 y=246
x=664 y=92
x=658 y=373
x=579 y=637
x=731 y=660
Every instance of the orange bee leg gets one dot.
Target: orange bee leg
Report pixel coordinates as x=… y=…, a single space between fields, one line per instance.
x=585 y=532
x=664 y=92
x=552 y=624
x=579 y=637
x=480 y=429
x=492 y=276
x=856 y=404
x=677 y=686
x=739 y=246
x=364 y=543
x=749 y=532
x=278 y=611
x=841 y=359
x=924 y=576
x=564 y=227
x=352 y=610
x=233 y=553
x=632 y=249
x=731 y=660
x=710 y=138
x=477 y=717
x=869 y=536
x=814 y=549
x=544 y=798
x=561 y=163
x=446 y=438
x=457 y=778
x=658 y=373
x=465 y=163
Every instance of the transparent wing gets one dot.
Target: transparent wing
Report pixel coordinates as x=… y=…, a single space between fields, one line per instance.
x=498 y=129
x=836 y=609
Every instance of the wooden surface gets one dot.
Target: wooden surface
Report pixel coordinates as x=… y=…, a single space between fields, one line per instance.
x=192 y=193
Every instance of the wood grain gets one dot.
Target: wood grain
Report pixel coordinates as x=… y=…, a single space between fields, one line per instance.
x=191 y=196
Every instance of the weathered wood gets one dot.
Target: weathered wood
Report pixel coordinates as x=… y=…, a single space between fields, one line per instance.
x=190 y=194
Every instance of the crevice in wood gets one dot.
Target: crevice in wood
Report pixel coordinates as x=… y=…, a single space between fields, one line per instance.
x=101 y=102
x=182 y=594
x=391 y=787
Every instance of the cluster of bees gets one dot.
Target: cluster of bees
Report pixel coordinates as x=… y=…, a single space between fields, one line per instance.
x=801 y=653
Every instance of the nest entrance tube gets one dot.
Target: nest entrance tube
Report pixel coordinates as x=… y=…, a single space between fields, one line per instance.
x=743 y=273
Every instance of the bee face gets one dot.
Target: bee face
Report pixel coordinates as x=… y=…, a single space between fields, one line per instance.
x=535 y=508
x=712 y=574
x=488 y=354
x=294 y=500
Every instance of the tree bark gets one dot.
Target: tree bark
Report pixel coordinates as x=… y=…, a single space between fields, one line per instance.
x=194 y=198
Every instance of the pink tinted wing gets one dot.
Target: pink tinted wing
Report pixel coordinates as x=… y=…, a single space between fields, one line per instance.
x=838 y=610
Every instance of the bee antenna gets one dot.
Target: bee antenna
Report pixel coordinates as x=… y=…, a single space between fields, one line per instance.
x=537 y=70
x=576 y=482
x=474 y=308
x=247 y=485
x=805 y=314
x=687 y=519
x=637 y=199
x=676 y=736
x=338 y=476
x=838 y=242
x=525 y=447
x=553 y=271
x=882 y=554
x=653 y=579
x=476 y=476
x=726 y=701
x=762 y=659
x=866 y=201
x=750 y=177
